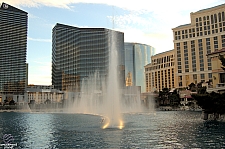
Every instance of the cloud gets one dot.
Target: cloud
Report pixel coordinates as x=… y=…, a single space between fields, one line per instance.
x=39 y=79
x=39 y=40
x=158 y=6
x=161 y=41
x=40 y=73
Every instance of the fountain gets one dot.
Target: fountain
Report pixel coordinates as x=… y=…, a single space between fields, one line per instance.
x=105 y=96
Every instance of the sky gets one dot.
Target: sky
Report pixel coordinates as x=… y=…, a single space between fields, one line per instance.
x=143 y=21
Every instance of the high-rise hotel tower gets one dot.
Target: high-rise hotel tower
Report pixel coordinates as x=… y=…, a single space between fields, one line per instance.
x=79 y=52
x=136 y=57
x=13 y=50
x=192 y=43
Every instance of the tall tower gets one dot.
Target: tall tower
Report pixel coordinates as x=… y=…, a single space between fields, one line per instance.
x=136 y=57
x=79 y=52
x=13 y=50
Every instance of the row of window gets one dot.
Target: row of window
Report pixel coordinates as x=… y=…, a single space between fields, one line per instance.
x=213 y=18
x=160 y=80
x=202 y=77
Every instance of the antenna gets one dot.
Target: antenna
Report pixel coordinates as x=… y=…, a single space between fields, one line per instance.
x=113 y=19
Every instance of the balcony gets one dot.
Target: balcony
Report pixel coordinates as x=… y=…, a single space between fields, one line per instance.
x=220 y=87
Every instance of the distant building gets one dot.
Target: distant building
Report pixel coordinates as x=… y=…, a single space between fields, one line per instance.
x=79 y=52
x=13 y=51
x=159 y=73
x=40 y=94
x=192 y=42
x=136 y=57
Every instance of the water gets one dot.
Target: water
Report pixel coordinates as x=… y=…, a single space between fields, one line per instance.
x=170 y=129
x=105 y=96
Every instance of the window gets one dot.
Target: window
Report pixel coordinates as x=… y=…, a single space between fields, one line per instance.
x=215 y=18
x=212 y=21
x=223 y=18
x=180 y=83
x=210 y=75
x=195 y=76
x=202 y=76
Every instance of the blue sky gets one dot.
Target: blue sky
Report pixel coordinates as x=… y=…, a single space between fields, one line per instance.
x=143 y=21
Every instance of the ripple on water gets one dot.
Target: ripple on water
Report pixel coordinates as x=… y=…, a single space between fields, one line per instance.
x=172 y=129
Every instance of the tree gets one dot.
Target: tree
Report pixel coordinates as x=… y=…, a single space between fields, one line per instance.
x=192 y=87
x=213 y=103
x=222 y=59
x=12 y=102
x=163 y=95
x=201 y=89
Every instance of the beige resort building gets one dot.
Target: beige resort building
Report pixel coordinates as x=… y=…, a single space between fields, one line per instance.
x=160 y=72
x=192 y=42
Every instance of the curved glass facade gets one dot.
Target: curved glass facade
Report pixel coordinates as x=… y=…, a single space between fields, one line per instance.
x=136 y=57
x=80 y=52
x=13 y=48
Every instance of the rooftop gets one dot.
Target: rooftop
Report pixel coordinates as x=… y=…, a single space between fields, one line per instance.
x=183 y=25
x=164 y=52
x=8 y=7
x=211 y=8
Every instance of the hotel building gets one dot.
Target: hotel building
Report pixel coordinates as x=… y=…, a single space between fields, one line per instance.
x=79 y=52
x=192 y=42
x=13 y=50
x=159 y=73
x=136 y=57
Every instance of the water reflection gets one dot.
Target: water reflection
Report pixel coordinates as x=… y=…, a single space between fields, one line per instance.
x=171 y=129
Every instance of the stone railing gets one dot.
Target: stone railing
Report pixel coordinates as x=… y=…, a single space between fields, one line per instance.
x=220 y=85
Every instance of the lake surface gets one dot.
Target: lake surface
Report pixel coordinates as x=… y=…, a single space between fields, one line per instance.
x=164 y=129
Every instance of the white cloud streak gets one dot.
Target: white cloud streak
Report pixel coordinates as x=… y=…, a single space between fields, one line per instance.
x=39 y=40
